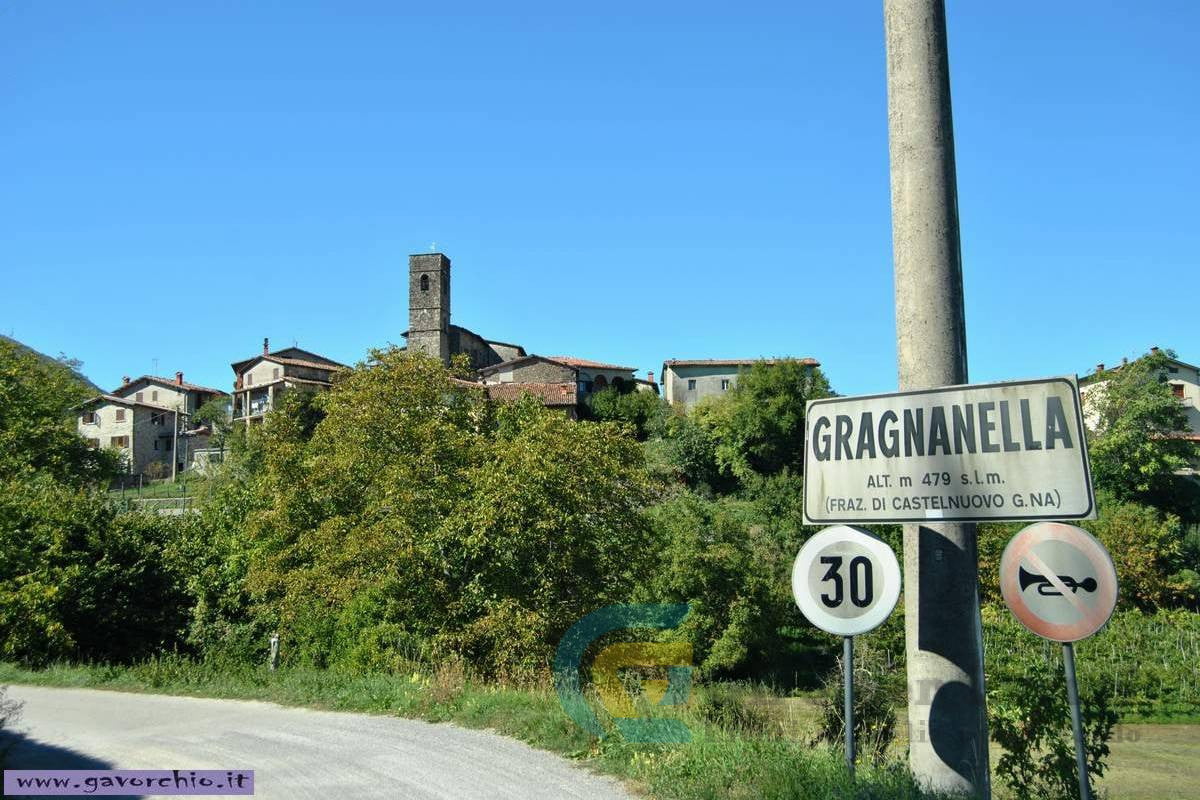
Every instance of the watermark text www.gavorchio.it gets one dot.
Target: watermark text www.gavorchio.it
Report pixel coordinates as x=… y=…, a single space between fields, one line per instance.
x=100 y=782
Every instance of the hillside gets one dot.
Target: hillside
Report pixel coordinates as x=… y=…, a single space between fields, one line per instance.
x=83 y=378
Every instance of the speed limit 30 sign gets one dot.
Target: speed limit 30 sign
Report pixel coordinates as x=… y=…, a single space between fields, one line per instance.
x=845 y=580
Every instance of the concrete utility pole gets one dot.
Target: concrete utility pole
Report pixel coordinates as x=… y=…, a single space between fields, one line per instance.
x=946 y=714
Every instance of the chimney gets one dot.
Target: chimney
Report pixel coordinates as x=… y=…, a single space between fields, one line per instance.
x=266 y=346
x=124 y=380
x=650 y=376
x=179 y=379
x=1100 y=367
x=1154 y=350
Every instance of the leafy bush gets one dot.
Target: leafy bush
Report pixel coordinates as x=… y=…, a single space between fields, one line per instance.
x=708 y=560
x=79 y=580
x=878 y=690
x=1029 y=717
x=643 y=411
x=691 y=451
x=759 y=426
x=1146 y=546
x=730 y=560
x=157 y=470
x=413 y=502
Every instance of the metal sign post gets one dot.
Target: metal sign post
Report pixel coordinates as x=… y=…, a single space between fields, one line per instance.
x=846 y=582
x=1085 y=791
x=848 y=698
x=1060 y=583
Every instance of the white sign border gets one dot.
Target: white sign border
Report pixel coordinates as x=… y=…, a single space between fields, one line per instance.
x=807 y=601
x=1048 y=517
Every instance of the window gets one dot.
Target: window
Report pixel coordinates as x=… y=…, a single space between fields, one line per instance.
x=249 y=379
x=1177 y=390
x=275 y=372
x=156 y=444
x=1173 y=370
x=154 y=396
x=88 y=418
x=691 y=384
x=118 y=441
x=725 y=384
x=94 y=444
x=424 y=283
x=158 y=419
x=167 y=445
x=120 y=415
x=139 y=396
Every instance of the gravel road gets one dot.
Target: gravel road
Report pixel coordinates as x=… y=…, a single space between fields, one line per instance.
x=295 y=753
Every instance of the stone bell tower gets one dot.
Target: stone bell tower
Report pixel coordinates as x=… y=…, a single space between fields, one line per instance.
x=429 y=305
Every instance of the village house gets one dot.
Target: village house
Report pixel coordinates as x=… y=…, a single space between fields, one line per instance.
x=149 y=421
x=688 y=381
x=260 y=381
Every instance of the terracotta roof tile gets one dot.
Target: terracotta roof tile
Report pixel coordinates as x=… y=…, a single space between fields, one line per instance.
x=121 y=401
x=583 y=362
x=191 y=387
x=551 y=394
x=326 y=363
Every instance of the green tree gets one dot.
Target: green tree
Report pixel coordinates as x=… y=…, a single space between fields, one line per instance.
x=730 y=559
x=689 y=447
x=644 y=412
x=37 y=421
x=1133 y=420
x=1146 y=544
x=80 y=581
x=417 y=511
x=760 y=425
x=216 y=415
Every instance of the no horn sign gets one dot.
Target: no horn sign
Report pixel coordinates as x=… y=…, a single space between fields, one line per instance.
x=997 y=451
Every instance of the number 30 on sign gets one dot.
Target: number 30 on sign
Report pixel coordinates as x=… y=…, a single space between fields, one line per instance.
x=845 y=580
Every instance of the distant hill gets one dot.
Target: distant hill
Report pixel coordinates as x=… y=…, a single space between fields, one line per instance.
x=82 y=378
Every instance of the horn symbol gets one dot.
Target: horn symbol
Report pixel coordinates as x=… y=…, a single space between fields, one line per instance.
x=1046 y=588
x=1028 y=579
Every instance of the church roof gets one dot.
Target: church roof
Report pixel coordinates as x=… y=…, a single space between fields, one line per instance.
x=482 y=339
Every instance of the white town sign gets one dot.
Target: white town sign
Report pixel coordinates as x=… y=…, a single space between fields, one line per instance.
x=998 y=451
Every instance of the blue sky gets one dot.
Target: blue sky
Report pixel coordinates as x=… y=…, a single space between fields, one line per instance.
x=627 y=182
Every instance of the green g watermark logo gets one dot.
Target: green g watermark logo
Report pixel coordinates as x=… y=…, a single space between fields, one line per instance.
x=675 y=656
